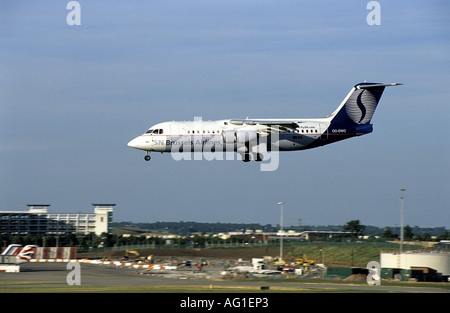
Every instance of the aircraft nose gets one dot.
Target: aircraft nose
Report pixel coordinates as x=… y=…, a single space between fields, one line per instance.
x=135 y=143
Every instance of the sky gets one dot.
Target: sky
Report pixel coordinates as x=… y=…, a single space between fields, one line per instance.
x=72 y=96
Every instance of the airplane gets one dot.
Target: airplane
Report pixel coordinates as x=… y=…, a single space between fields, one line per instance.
x=12 y=249
x=14 y=255
x=255 y=137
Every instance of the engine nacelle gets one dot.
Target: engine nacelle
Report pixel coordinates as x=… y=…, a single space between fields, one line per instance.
x=240 y=136
x=242 y=140
x=229 y=136
x=246 y=136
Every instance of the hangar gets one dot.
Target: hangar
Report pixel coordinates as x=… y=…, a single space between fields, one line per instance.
x=422 y=266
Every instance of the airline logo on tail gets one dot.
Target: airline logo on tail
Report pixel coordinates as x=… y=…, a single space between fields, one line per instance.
x=27 y=253
x=361 y=105
x=16 y=255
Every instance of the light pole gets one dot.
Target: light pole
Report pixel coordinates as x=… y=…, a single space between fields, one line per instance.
x=281 y=231
x=402 y=208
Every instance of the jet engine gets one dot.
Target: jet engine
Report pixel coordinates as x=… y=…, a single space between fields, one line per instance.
x=246 y=136
x=240 y=136
x=229 y=136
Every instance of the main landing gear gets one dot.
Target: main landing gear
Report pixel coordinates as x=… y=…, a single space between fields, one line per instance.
x=147 y=157
x=258 y=157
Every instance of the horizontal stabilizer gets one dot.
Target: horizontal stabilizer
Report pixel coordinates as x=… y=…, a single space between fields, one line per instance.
x=372 y=85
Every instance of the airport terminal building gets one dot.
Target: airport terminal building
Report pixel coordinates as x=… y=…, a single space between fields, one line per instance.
x=38 y=221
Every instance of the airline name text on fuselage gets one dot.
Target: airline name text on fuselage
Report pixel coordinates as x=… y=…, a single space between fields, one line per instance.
x=188 y=142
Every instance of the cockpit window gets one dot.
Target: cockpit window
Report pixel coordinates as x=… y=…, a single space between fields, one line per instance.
x=154 y=131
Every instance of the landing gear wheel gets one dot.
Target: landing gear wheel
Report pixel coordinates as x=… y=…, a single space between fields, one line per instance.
x=246 y=157
x=258 y=157
x=147 y=158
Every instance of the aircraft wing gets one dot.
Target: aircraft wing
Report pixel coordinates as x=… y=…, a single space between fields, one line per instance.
x=274 y=125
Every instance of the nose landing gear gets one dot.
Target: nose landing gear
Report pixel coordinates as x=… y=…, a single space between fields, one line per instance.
x=147 y=157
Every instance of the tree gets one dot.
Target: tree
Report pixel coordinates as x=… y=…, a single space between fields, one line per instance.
x=354 y=227
x=444 y=236
x=387 y=233
x=407 y=232
x=426 y=237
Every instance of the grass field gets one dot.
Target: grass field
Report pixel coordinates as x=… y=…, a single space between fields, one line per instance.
x=338 y=255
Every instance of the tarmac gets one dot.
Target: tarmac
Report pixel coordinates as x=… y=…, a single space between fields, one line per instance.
x=55 y=274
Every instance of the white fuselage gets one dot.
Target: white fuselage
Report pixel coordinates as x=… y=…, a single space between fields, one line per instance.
x=212 y=135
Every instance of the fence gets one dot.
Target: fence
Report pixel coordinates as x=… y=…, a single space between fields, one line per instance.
x=234 y=245
x=55 y=253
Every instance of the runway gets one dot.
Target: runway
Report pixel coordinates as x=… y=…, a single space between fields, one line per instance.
x=55 y=274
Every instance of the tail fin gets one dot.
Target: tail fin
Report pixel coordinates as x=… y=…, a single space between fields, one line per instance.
x=12 y=249
x=27 y=253
x=359 y=106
